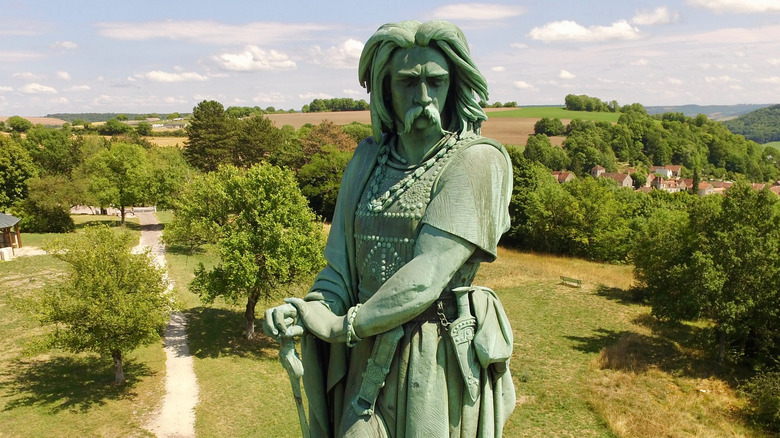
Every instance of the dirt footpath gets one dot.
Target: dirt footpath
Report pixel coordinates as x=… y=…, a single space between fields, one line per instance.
x=176 y=417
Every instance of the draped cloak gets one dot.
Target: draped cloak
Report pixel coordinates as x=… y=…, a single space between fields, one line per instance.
x=327 y=365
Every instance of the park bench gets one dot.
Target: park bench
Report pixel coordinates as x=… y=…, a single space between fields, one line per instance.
x=571 y=281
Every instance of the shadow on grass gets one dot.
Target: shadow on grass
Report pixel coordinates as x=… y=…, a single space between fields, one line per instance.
x=214 y=332
x=622 y=296
x=674 y=348
x=108 y=222
x=69 y=383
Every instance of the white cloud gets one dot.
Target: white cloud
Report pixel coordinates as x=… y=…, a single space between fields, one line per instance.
x=345 y=55
x=571 y=31
x=353 y=92
x=719 y=79
x=36 y=88
x=773 y=61
x=660 y=15
x=162 y=76
x=640 y=62
x=770 y=80
x=673 y=81
x=253 y=58
x=274 y=97
x=478 y=11
x=69 y=45
x=4 y=89
x=28 y=76
x=17 y=56
x=63 y=75
x=518 y=46
x=737 y=6
x=566 y=75
x=211 y=32
x=76 y=88
x=498 y=68
x=523 y=85
x=310 y=96
x=59 y=100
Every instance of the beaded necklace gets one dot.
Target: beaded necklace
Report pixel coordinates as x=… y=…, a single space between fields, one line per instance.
x=378 y=203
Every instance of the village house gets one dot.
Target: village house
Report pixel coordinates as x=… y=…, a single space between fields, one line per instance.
x=661 y=171
x=563 y=177
x=597 y=171
x=623 y=179
x=705 y=188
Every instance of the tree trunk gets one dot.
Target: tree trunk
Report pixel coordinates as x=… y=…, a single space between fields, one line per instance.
x=119 y=374
x=722 y=347
x=249 y=315
x=122 y=214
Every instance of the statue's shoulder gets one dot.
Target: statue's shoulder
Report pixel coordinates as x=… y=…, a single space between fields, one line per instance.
x=473 y=146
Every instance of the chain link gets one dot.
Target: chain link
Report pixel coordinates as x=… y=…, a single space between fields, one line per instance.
x=445 y=323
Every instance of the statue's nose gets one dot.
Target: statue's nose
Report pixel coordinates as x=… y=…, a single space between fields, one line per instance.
x=423 y=98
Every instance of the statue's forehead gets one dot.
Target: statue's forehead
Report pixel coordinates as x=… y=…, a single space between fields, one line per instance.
x=414 y=58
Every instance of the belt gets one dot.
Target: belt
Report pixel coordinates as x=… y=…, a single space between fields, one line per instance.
x=444 y=305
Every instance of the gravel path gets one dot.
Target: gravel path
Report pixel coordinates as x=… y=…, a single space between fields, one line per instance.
x=176 y=418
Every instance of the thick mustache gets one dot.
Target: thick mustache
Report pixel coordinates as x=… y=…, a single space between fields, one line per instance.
x=430 y=111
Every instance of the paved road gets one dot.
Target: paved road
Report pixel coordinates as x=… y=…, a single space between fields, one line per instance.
x=177 y=415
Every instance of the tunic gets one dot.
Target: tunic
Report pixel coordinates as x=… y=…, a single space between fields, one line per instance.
x=463 y=188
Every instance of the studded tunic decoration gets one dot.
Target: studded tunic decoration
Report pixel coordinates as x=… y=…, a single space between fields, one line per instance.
x=389 y=214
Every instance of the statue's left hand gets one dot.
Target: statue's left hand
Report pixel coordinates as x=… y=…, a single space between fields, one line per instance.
x=319 y=321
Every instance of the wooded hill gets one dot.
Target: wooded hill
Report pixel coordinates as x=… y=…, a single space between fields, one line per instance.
x=761 y=125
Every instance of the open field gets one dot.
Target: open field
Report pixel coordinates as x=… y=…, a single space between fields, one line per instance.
x=513 y=130
x=774 y=144
x=588 y=362
x=46 y=121
x=59 y=393
x=167 y=141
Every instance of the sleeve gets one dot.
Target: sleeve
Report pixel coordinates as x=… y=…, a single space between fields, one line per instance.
x=471 y=197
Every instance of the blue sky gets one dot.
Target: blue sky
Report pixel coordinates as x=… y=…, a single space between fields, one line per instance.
x=143 y=56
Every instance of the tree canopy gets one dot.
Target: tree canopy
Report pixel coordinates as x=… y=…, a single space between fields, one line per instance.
x=111 y=301
x=267 y=237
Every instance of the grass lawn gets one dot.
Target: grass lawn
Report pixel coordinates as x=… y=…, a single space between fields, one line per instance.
x=774 y=144
x=83 y=220
x=63 y=394
x=534 y=112
x=588 y=362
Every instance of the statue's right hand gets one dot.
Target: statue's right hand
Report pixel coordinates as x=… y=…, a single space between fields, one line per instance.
x=278 y=319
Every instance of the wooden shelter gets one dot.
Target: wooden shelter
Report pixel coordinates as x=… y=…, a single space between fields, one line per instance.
x=9 y=231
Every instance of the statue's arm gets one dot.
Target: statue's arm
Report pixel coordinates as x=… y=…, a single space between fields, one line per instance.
x=414 y=287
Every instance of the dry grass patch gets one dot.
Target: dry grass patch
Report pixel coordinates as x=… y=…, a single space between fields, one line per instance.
x=167 y=141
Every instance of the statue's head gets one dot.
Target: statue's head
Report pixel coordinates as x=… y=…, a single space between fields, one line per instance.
x=444 y=43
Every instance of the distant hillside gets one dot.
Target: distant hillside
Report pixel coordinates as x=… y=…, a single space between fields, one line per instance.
x=761 y=125
x=714 y=112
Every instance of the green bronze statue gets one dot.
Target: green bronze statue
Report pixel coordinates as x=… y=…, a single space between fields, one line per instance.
x=395 y=340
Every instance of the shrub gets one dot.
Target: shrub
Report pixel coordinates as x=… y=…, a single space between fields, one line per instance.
x=763 y=390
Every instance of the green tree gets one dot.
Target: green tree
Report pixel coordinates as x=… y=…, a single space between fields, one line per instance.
x=144 y=128
x=168 y=172
x=119 y=176
x=16 y=167
x=211 y=136
x=321 y=177
x=46 y=209
x=53 y=150
x=18 y=124
x=269 y=238
x=540 y=149
x=549 y=126
x=721 y=261
x=111 y=301
x=122 y=117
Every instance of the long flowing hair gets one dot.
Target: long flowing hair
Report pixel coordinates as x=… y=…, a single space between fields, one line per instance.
x=467 y=85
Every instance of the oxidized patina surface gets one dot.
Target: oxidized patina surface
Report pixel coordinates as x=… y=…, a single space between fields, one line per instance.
x=396 y=341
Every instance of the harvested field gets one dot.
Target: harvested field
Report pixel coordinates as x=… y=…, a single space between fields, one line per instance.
x=46 y=121
x=167 y=141
x=510 y=130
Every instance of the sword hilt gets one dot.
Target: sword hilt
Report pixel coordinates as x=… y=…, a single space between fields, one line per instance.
x=462 y=299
